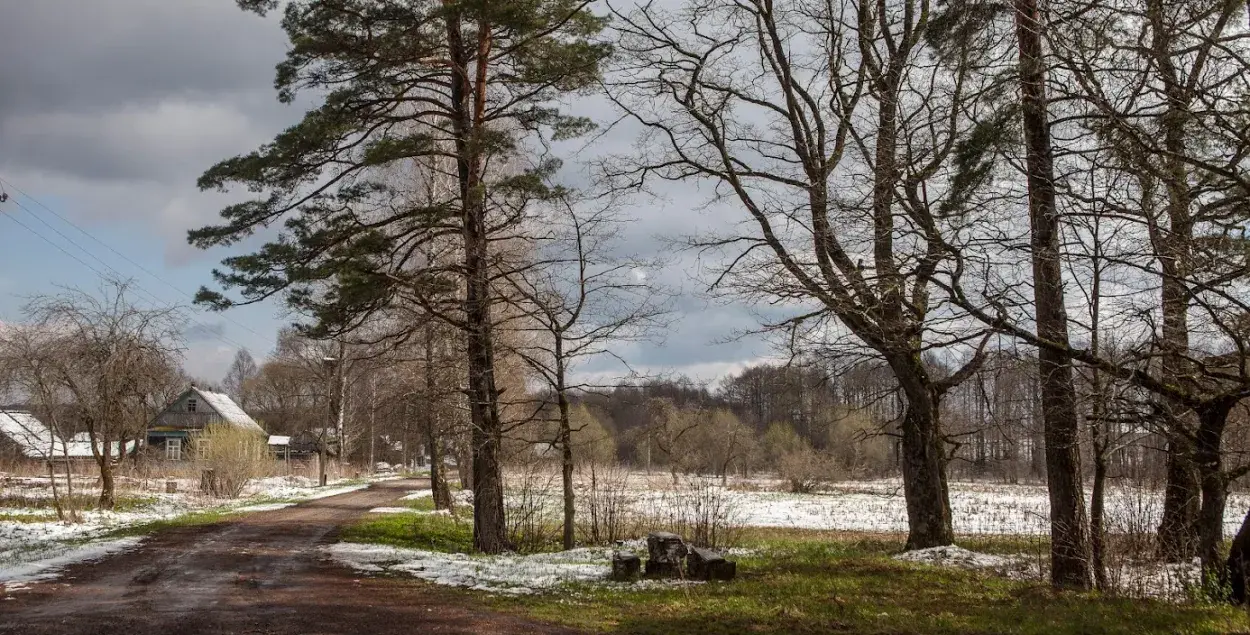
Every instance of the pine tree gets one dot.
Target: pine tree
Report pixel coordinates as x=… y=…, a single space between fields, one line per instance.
x=463 y=91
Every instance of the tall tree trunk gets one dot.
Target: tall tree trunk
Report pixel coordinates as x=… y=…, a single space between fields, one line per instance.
x=1173 y=243
x=438 y=481
x=566 y=451
x=1069 y=544
x=1238 y=565
x=1212 y=420
x=1182 y=501
x=924 y=464
x=469 y=104
x=1097 y=499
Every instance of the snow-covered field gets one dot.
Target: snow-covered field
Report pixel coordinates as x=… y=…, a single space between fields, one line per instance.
x=976 y=508
x=864 y=506
x=33 y=551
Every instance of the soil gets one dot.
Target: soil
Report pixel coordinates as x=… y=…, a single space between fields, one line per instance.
x=260 y=575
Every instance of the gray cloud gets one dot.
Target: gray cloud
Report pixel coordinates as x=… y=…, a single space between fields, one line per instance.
x=202 y=332
x=114 y=108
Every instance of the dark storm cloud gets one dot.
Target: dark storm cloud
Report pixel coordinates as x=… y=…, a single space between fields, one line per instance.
x=86 y=56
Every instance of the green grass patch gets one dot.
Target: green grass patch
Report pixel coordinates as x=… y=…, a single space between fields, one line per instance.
x=81 y=502
x=191 y=519
x=27 y=518
x=828 y=582
x=433 y=532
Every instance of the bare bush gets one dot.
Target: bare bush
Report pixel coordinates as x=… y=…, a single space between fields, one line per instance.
x=806 y=469
x=702 y=511
x=230 y=458
x=607 y=508
x=531 y=506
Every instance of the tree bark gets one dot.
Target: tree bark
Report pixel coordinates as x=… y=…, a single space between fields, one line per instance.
x=1212 y=419
x=1178 y=526
x=1069 y=550
x=1238 y=565
x=469 y=103
x=438 y=481
x=924 y=463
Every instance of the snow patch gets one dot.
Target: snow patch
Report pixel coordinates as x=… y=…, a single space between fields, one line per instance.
x=390 y=510
x=264 y=507
x=510 y=574
x=17 y=576
x=1013 y=566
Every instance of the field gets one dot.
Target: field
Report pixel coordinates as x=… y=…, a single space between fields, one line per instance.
x=797 y=579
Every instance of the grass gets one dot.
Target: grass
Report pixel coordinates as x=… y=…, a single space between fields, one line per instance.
x=81 y=502
x=434 y=532
x=190 y=519
x=800 y=581
x=807 y=582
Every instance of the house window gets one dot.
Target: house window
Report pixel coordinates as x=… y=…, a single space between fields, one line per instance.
x=192 y=404
x=173 y=449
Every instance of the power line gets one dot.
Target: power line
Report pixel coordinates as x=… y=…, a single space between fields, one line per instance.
x=156 y=301
x=110 y=248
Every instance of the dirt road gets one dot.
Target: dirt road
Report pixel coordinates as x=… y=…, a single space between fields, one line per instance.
x=262 y=574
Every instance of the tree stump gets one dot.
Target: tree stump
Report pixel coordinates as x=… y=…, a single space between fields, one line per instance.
x=665 y=552
x=208 y=482
x=626 y=565
x=705 y=564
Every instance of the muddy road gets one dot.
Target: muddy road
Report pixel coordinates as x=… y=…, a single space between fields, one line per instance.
x=262 y=574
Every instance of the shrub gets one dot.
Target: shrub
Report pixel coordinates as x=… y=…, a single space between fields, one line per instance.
x=606 y=508
x=230 y=457
x=806 y=469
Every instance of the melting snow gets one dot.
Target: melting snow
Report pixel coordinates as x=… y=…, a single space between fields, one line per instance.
x=512 y=574
x=16 y=576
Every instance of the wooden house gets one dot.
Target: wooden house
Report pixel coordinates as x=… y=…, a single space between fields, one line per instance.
x=24 y=437
x=172 y=431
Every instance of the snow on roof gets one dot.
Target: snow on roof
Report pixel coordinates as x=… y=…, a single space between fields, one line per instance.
x=229 y=411
x=276 y=439
x=35 y=439
x=31 y=436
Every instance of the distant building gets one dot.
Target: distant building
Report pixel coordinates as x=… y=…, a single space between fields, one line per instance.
x=170 y=433
x=24 y=435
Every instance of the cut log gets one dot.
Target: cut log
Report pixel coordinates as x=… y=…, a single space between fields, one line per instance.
x=626 y=566
x=705 y=564
x=665 y=552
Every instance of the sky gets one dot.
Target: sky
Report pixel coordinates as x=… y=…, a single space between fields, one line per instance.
x=109 y=111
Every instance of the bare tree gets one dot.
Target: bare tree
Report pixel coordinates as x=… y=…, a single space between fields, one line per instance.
x=112 y=355
x=1069 y=532
x=786 y=109
x=27 y=365
x=579 y=296
x=239 y=377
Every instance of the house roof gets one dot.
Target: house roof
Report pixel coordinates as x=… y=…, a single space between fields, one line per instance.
x=35 y=439
x=229 y=411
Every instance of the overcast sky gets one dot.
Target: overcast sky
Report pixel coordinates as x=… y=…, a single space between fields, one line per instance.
x=110 y=110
